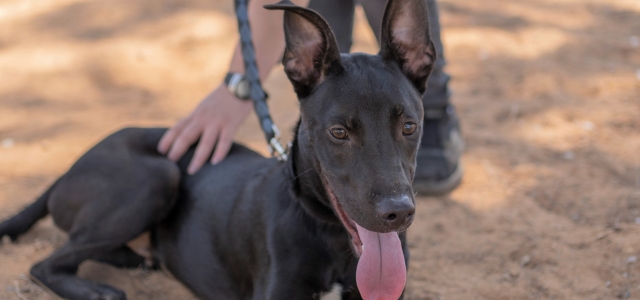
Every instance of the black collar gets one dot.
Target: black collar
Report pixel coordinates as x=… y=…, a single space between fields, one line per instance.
x=306 y=193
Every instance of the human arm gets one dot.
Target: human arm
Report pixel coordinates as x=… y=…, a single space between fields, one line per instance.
x=219 y=115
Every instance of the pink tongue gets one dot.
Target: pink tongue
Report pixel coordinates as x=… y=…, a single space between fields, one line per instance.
x=381 y=273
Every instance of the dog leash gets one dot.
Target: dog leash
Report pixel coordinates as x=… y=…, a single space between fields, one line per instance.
x=252 y=75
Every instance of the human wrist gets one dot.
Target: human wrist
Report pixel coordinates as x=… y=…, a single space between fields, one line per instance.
x=238 y=85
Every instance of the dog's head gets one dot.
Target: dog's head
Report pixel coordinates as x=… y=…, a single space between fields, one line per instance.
x=360 y=127
x=361 y=115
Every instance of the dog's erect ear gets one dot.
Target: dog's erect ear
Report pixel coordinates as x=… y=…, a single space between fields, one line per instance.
x=311 y=52
x=405 y=39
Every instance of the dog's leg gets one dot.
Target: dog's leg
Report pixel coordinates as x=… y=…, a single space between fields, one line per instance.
x=349 y=285
x=289 y=279
x=123 y=257
x=99 y=234
x=57 y=273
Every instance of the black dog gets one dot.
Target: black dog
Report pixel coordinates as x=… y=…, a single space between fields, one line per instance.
x=256 y=228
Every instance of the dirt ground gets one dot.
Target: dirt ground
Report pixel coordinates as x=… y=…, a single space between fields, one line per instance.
x=548 y=92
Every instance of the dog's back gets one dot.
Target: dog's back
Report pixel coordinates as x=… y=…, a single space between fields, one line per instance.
x=122 y=164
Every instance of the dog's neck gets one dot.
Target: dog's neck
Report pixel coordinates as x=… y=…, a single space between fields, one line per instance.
x=307 y=186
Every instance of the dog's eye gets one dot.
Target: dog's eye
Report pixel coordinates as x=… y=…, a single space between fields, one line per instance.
x=339 y=133
x=409 y=128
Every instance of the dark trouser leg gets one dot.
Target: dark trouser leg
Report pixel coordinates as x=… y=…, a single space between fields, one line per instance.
x=339 y=15
x=437 y=94
x=122 y=257
x=439 y=170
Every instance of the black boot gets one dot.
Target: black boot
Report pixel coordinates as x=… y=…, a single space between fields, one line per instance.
x=439 y=170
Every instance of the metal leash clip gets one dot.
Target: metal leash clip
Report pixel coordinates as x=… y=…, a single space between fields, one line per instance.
x=275 y=147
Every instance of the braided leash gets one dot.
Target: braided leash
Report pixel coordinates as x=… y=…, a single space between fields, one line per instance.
x=252 y=75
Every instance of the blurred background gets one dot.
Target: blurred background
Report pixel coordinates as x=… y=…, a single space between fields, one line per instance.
x=548 y=93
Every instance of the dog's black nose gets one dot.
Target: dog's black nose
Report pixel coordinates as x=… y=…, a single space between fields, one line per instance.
x=396 y=211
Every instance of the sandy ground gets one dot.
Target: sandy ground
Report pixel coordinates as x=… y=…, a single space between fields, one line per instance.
x=548 y=92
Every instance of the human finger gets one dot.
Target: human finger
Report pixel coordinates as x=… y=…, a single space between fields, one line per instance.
x=204 y=149
x=187 y=137
x=222 y=146
x=170 y=135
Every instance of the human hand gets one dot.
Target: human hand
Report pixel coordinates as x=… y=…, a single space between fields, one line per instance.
x=214 y=122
